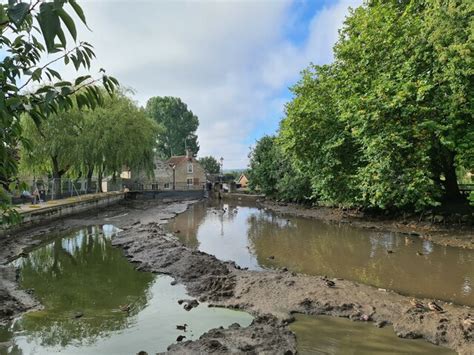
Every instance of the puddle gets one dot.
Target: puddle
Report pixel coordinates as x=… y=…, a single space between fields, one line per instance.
x=259 y=239
x=330 y=335
x=84 y=282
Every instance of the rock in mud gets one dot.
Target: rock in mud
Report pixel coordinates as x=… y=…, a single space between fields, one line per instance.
x=13 y=300
x=266 y=335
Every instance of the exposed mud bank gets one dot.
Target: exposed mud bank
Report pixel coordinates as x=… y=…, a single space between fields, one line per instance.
x=457 y=235
x=279 y=294
x=13 y=300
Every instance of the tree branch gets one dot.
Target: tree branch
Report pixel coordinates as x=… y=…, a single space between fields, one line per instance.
x=51 y=62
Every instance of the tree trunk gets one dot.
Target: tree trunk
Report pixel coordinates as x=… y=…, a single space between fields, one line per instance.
x=99 y=180
x=90 y=171
x=450 y=181
x=57 y=174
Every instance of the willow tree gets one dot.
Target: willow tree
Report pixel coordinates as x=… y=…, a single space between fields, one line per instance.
x=116 y=135
x=80 y=142
x=29 y=32
x=53 y=147
x=398 y=118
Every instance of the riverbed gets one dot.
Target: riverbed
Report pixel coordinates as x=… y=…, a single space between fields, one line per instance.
x=271 y=294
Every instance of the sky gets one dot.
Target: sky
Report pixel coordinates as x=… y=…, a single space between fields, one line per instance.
x=231 y=61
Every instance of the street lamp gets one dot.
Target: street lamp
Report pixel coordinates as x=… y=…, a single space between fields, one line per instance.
x=174 y=176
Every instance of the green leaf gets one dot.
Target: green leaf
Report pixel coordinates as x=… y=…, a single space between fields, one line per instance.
x=49 y=23
x=62 y=83
x=3 y=15
x=75 y=61
x=44 y=89
x=113 y=80
x=81 y=79
x=37 y=74
x=50 y=96
x=54 y=73
x=18 y=12
x=66 y=90
x=62 y=39
x=68 y=21
x=78 y=11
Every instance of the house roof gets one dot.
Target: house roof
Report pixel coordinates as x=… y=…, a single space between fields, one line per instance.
x=241 y=177
x=176 y=160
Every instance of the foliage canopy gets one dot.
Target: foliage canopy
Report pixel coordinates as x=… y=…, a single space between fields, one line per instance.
x=28 y=32
x=210 y=165
x=179 y=125
x=390 y=121
x=106 y=139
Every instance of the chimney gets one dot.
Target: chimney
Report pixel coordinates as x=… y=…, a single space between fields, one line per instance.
x=189 y=155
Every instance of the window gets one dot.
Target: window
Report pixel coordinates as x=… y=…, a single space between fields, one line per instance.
x=190 y=168
x=189 y=182
x=166 y=185
x=154 y=186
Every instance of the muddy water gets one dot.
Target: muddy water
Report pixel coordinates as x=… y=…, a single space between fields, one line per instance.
x=328 y=335
x=257 y=239
x=83 y=282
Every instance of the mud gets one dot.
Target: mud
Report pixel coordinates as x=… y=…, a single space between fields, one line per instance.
x=271 y=296
x=436 y=228
x=13 y=300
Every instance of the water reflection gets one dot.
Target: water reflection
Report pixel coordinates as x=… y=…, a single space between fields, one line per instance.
x=257 y=239
x=327 y=335
x=80 y=275
x=82 y=281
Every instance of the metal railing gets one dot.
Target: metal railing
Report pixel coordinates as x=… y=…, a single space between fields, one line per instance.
x=160 y=186
x=41 y=190
x=466 y=189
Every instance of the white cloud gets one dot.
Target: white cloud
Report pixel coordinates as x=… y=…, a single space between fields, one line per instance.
x=228 y=60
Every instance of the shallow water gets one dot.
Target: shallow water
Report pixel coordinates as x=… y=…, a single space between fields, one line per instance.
x=83 y=275
x=258 y=239
x=329 y=335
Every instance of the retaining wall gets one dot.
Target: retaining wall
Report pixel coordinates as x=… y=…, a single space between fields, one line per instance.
x=62 y=208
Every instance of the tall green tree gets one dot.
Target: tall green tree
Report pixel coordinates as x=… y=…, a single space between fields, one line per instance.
x=210 y=165
x=263 y=166
x=28 y=32
x=179 y=125
x=313 y=134
x=389 y=122
x=275 y=174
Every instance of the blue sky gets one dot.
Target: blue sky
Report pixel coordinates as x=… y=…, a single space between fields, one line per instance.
x=231 y=61
x=302 y=14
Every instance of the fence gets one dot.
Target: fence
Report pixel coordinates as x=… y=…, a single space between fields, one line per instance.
x=466 y=189
x=53 y=189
